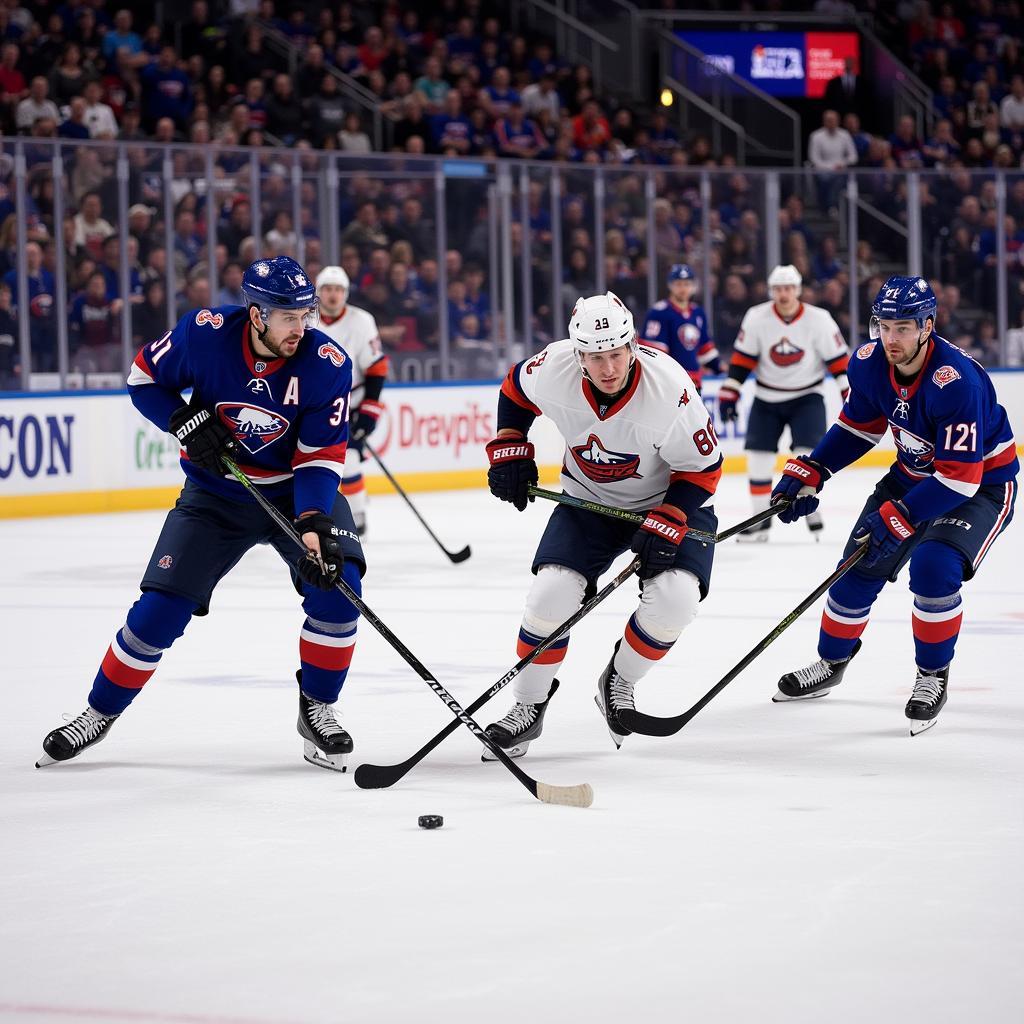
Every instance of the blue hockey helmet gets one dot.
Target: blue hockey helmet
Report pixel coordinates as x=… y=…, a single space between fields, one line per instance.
x=903 y=298
x=681 y=272
x=280 y=283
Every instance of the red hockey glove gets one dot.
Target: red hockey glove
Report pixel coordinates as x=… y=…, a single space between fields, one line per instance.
x=658 y=539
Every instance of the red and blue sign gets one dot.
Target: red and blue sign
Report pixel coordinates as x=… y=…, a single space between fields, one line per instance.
x=779 y=63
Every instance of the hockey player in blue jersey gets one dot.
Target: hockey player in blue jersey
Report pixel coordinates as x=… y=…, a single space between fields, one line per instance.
x=940 y=507
x=271 y=392
x=679 y=327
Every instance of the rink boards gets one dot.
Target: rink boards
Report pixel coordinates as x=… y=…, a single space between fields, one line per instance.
x=74 y=452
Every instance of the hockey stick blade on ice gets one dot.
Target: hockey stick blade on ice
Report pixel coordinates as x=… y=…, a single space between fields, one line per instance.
x=649 y=725
x=637 y=517
x=569 y=796
x=380 y=776
x=453 y=556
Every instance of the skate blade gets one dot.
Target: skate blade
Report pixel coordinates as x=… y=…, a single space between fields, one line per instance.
x=785 y=698
x=917 y=727
x=46 y=760
x=617 y=737
x=518 y=750
x=332 y=762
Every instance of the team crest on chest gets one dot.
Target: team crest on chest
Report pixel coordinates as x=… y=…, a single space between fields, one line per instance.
x=689 y=336
x=253 y=426
x=917 y=452
x=602 y=466
x=785 y=353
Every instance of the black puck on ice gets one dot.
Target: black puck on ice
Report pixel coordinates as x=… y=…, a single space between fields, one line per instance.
x=430 y=821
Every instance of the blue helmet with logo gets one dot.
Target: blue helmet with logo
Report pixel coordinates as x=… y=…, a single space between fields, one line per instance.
x=903 y=298
x=279 y=283
x=681 y=272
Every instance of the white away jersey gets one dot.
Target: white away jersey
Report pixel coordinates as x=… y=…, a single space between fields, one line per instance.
x=626 y=454
x=356 y=331
x=789 y=359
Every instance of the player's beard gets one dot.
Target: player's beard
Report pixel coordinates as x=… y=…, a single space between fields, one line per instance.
x=284 y=349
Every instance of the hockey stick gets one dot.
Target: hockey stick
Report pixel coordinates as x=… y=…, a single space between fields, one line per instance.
x=648 y=725
x=453 y=556
x=570 y=796
x=380 y=776
x=637 y=517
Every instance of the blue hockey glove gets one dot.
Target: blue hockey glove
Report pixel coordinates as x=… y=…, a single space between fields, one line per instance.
x=801 y=480
x=883 y=532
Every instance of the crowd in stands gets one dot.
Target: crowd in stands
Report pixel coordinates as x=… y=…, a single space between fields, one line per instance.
x=453 y=79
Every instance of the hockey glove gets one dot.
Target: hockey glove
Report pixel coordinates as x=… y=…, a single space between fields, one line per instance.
x=363 y=423
x=883 y=532
x=801 y=480
x=513 y=470
x=728 y=403
x=322 y=572
x=658 y=539
x=204 y=438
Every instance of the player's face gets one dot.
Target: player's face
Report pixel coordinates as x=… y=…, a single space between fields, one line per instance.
x=784 y=296
x=608 y=369
x=900 y=339
x=332 y=298
x=681 y=292
x=284 y=331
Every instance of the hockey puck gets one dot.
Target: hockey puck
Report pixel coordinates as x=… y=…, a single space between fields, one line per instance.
x=430 y=821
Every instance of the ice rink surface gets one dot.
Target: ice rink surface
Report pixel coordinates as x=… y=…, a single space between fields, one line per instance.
x=798 y=862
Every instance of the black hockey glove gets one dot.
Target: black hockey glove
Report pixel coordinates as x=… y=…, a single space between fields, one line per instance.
x=658 y=539
x=363 y=423
x=512 y=471
x=204 y=438
x=309 y=568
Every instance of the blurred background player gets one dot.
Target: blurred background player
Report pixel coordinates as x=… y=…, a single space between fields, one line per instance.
x=789 y=345
x=271 y=392
x=637 y=437
x=947 y=497
x=356 y=331
x=679 y=327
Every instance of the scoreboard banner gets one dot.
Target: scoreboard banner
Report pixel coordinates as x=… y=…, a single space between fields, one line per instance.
x=63 y=453
x=779 y=63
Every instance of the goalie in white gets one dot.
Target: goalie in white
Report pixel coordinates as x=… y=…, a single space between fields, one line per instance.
x=638 y=438
x=356 y=331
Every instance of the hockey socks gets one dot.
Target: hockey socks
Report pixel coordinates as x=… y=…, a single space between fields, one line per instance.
x=154 y=622
x=936 y=622
x=846 y=614
x=328 y=637
x=667 y=606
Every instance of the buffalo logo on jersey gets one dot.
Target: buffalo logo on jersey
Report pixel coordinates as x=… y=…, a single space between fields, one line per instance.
x=332 y=352
x=215 y=320
x=785 y=353
x=918 y=454
x=254 y=426
x=602 y=466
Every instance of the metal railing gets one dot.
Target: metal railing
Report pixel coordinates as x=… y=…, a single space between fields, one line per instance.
x=466 y=264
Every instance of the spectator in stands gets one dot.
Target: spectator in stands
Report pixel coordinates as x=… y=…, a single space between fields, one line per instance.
x=40 y=306
x=284 y=111
x=99 y=118
x=499 y=97
x=830 y=151
x=10 y=360
x=450 y=130
x=413 y=125
x=94 y=328
x=1011 y=107
x=230 y=293
x=848 y=93
x=590 y=128
x=121 y=37
x=825 y=265
x=942 y=149
x=905 y=145
x=68 y=78
x=517 y=136
x=187 y=245
x=352 y=138
x=432 y=86
x=110 y=268
x=90 y=227
x=364 y=232
x=326 y=111
x=74 y=126
x=35 y=105
x=541 y=95
x=13 y=88
x=730 y=310
x=165 y=90
x=979 y=106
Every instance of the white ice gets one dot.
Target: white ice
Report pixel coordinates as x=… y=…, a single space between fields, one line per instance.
x=793 y=863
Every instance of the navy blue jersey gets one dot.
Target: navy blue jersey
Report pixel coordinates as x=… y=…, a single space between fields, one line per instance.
x=952 y=435
x=290 y=416
x=682 y=332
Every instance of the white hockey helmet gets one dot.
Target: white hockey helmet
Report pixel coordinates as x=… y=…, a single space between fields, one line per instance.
x=785 y=273
x=333 y=275
x=601 y=322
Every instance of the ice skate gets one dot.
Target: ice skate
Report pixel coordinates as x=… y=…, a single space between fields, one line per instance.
x=927 y=700
x=327 y=744
x=815 y=524
x=756 y=534
x=815 y=680
x=614 y=694
x=519 y=728
x=70 y=740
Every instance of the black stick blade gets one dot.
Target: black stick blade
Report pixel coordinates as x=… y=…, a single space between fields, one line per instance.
x=649 y=725
x=459 y=556
x=378 y=776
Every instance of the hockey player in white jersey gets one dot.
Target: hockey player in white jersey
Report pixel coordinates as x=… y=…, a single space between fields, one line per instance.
x=356 y=331
x=788 y=345
x=637 y=437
